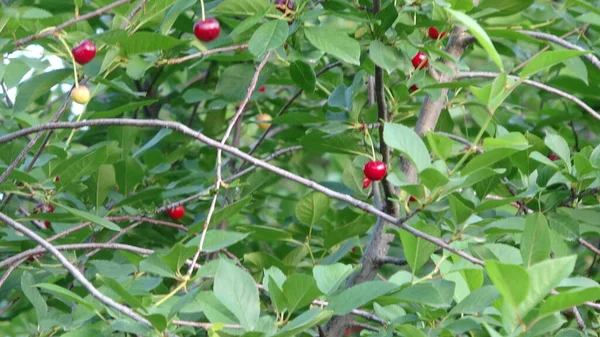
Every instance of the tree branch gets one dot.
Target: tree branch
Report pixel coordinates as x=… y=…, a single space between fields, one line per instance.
x=74 y=271
x=564 y=43
x=538 y=85
x=236 y=152
x=71 y=22
x=206 y=52
x=133 y=13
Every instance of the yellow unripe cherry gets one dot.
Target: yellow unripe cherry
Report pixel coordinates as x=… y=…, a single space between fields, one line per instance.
x=263 y=120
x=81 y=94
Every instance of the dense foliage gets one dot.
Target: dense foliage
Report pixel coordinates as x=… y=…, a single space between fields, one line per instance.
x=210 y=180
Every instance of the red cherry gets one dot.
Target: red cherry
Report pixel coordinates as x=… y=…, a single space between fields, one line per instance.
x=412 y=199
x=47 y=224
x=375 y=170
x=282 y=4
x=420 y=61
x=84 y=52
x=553 y=156
x=176 y=213
x=207 y=30
x=353 y=249
x=366 y=182
x=435 y=34
x=413 y=88
x=57 y=179
x=262 y=89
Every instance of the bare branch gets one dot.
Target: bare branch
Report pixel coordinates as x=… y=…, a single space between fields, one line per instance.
x=236 y=152
x=206 y=326
x=207 y=52
x=133 y=13
x=232 y=123
x=564 y=43
x=71 y=22
x=74 y=271
x=391 y=260
x=589 y=246
x=538 y=85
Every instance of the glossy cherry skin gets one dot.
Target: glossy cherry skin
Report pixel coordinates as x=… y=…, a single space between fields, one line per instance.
x=413 y=88
x=412 y=199
x=84 y=52
x=366 y=182
x=553 y=156
x=176 y=213
x=207 y=30
x=282 y=4
x=262 y=89
x=375 y=170
x=420 y=60
x=435 y=34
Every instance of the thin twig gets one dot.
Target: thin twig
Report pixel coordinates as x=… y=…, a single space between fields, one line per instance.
x=207 y=52
x=564 y=43
x=589 y=246
x=71 y=22
x=219 y=182
x=236 y=152
x=538 y=85
x=133 y=13
x=206 y=326
x=9 y=103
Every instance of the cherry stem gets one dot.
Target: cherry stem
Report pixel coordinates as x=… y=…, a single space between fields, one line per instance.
x=202 y=6
x=64 y=43
x=368 y=137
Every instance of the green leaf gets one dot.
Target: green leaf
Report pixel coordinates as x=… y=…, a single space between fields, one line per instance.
x=300 y=290
x=303 y=75
x=153 y=264
x=511 y=280
x=158 y=321
x=33 y=295
x=37 y=86
x=147 y=42
x=234 y=82
x=221 y=214
x=384 y=56
x=547 y=59
x=241 y=7
x=177 y=256
x=237 y=291
x=155 y=140
x=546 y=275
x=119 y=290
x=437 y=294
x=559 y=146
x=66 y=293
x=173 y=13
x=78 y=166
x=270 y=35
x=479 y=34
x=503 y=7
x=405 y=140
x=312 y=207
x=535 y=242
x=304 y=322
x=569 y=299
x=216 y=240
x=477 y=301
x=319 y=142
x=358 y=296
x=101 y=183
x=93 y=219
x=334 y=42
x=330 y=277
x=486 y=159
x=417 y=250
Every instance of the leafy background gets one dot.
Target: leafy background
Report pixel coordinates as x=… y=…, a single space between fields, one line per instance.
x=279 y=258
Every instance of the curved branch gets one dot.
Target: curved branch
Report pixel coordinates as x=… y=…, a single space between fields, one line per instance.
x=562 y=42
x=71 y=22
x=484 y=74
x=207 y=52
x=236 y=152
x=74 y=271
